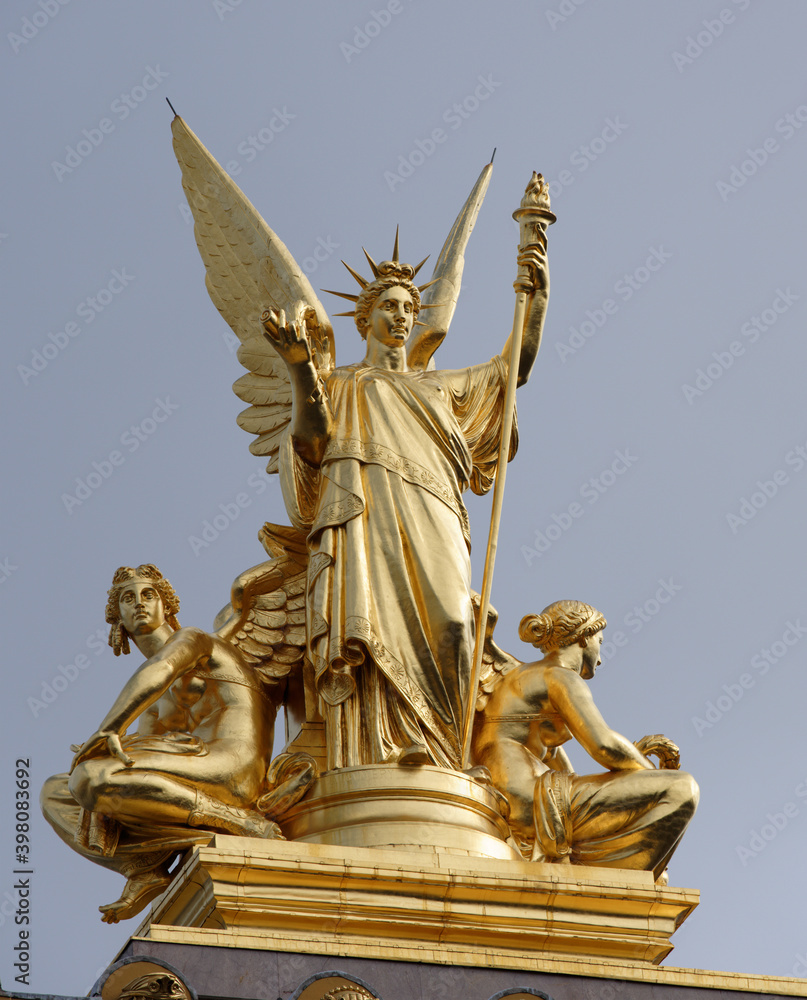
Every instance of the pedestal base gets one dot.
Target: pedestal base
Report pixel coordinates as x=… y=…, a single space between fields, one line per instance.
x=311 y=898
x=421 y=809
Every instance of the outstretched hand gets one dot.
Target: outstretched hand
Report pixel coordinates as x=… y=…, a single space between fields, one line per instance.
x=289 y=339
x=667 y=753
x=95 y=745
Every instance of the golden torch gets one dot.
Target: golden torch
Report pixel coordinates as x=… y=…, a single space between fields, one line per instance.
x=533 y=217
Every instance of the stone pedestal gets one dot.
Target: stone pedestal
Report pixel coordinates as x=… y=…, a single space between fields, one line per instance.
x=386 y=904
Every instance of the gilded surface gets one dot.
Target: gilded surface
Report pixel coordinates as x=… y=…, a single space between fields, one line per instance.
x=373 y=458
x=362 y=621
x=373 y=472
x=631 y=815
x=393 y=904
x=420 y=810
x=154 y=986
x=198 y=761
x=141 y=979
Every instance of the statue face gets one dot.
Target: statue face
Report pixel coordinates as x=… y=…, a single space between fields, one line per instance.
x=392 y=317
x=141 y=607
x=591 y=656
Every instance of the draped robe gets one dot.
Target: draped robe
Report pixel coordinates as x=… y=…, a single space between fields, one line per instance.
x=389 y=616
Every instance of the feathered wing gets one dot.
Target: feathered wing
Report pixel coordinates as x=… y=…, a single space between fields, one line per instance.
x=440 y=298
x=249 y=270
x=265 y=621
x=495 y=661
x=265 y=618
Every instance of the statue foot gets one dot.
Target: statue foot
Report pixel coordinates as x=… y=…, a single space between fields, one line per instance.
x=287 y=780
x=213 y=815
x=137 y=894
x=260 y=826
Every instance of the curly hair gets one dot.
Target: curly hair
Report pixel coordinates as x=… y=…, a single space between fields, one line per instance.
x=561 y=624
x=391 y=275
x=118 y=636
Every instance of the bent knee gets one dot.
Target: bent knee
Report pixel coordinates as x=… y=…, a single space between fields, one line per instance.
x=688 y=789
x=79 y=786
x=53 y=786
x=88 y=782
x=53 y=789
x=681 y=790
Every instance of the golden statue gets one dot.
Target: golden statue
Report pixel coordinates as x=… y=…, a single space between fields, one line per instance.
x=630 y=816
x=362 y=621
x=373 y=459
x=200 y=760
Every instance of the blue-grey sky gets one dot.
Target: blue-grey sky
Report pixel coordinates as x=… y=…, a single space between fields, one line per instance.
x=662 y=471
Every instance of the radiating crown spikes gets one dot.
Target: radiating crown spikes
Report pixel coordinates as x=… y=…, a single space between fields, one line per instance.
x=387 y=268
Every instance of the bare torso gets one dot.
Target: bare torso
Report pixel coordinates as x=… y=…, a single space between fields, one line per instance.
x=520 y=710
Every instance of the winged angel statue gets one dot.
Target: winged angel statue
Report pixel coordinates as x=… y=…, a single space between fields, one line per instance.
x=373 y=460
x=362 y=621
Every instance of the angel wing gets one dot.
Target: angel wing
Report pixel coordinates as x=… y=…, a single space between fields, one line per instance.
x=249 y=270
x=444 y=290
x=495 y=662
x=265 y=618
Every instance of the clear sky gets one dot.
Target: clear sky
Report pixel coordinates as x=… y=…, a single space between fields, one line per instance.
x=662 y=472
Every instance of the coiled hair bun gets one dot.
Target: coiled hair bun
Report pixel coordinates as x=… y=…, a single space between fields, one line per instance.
x=561 y=624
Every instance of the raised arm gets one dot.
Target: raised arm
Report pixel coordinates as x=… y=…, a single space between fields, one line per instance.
x=181 y=653
x=311 y=419
x=572 y=699
x=534 y=278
